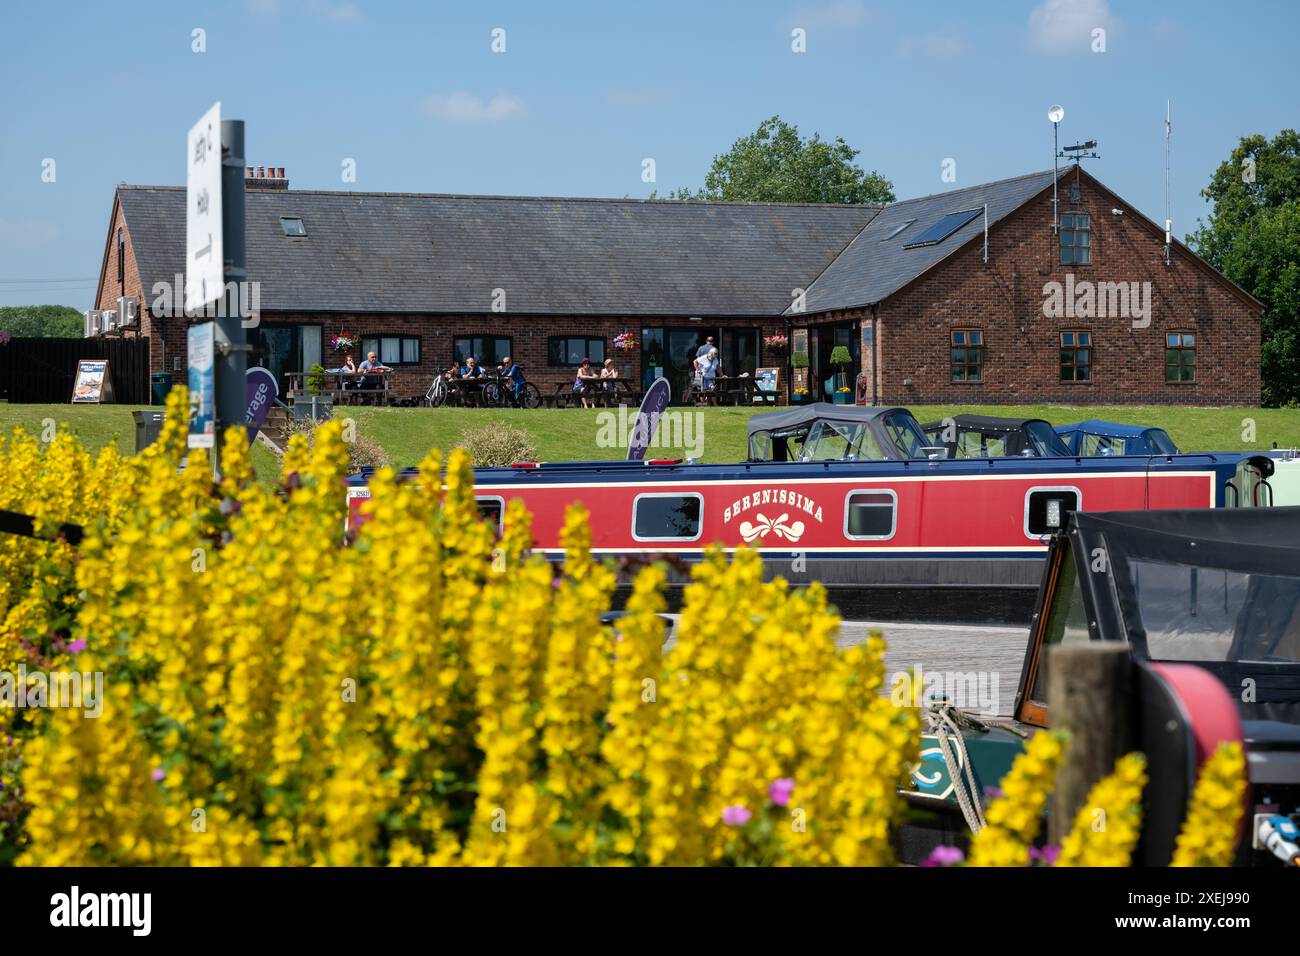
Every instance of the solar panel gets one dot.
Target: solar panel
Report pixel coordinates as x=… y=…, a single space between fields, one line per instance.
x=897 y=229
x=942 y=229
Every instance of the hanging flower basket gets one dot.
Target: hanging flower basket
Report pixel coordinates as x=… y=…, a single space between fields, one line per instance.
x=624 y=342
x=778 y=343
x=342 y=341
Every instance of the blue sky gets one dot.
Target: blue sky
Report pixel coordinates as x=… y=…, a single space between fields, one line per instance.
x=584 y=92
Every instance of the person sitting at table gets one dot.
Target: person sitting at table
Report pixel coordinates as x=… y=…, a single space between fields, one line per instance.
x=372 y=364
x=514 y=375
x=608 y=375
x=585 y=383
x=472 y=369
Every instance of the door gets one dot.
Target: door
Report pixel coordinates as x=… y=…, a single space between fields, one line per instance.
x=670 y=353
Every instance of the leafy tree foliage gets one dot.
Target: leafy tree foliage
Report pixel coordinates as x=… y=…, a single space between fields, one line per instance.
x=1253 y=237
x=775 y=164
x=41 y=321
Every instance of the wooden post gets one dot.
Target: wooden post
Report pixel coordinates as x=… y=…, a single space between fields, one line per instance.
x=1089 y=695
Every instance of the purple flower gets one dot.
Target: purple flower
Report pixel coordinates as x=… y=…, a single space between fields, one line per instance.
x=736 y=816
x=944 y=856
x=77 y=646
x=158 y=774
x=1047 y=854
x=992 y=793
x=779 y=790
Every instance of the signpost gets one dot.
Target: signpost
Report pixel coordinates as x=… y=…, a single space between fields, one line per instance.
x=93 y=382
x=215 y=272
x=201 y=348
x=204 y=248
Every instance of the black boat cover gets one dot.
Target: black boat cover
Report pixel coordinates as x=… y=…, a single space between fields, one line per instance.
x=1218 y=587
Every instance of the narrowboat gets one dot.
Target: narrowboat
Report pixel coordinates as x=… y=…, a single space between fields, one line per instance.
x=986 y=436
x=1095 y=437
x=1208 y=603
x=857 y=499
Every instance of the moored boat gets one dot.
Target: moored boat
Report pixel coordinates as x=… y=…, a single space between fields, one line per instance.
x=857 y=499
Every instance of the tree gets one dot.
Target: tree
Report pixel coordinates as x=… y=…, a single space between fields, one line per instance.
x=774 y=164
x=41 y=321
x=1253 y=237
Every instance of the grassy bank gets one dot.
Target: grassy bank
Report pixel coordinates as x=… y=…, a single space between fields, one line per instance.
x=717 y=434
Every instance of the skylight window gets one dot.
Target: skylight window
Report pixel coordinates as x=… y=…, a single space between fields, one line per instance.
x=942 y=229
x=897 y=229
x=293 y=227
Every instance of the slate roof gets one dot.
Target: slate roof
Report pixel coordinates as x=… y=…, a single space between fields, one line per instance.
x=399 y=252
x=873 y=267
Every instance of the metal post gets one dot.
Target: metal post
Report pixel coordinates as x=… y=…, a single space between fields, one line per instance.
x=231 y=359
x=1056 y=222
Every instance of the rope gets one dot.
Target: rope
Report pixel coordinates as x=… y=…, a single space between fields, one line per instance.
x=945 y=723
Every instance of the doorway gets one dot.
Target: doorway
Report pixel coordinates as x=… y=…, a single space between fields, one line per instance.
x=670 y=353
x=822 y=341
x=284 y=348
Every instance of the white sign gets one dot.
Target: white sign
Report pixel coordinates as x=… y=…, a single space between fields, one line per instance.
x=204 y=277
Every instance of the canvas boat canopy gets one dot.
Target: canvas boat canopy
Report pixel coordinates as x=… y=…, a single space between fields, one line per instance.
x=986 y=436
x=1219 y=588
x=1096 y=437
x=823 y=431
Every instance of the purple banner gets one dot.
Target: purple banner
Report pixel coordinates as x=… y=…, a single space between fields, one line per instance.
x=656 y=400
x=262 y=392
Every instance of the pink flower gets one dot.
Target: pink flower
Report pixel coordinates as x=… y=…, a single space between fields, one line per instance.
x=77 y=646
x=944 y=856
x=158 y=774
x=779 y=790
x=736 y=816
x=1047 y=854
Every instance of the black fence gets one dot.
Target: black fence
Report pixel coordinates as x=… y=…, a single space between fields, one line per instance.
x=43 y=370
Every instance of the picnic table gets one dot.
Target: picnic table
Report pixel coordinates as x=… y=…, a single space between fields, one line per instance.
x=739 y=391
x=490 y=391
x=343 y=387
x=606 y=392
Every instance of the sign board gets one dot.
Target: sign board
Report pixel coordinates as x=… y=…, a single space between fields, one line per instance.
x=201 y=342
x=652 y=407
x=204 y=276
x=262 y=392
x=93 y=382
x=768 y=379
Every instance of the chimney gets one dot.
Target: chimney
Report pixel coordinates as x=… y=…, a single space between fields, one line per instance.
x=265 y=177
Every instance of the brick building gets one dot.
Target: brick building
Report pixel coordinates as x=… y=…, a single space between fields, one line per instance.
x=969 y=296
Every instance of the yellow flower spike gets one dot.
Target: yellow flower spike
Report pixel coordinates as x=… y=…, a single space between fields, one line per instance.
x=1014 y=817
x=1209 y=833
x=1107 y=826
x=236 y=462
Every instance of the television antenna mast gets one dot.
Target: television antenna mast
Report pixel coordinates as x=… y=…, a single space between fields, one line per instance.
x=1169 y=223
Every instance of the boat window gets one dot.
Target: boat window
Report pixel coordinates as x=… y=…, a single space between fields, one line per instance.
x=666 y=517
x=1067 y=623
x=906 y=434
x=972 y=444
x=1045 y=509
x=760 y=446
x=1047 y=444
x=840 y=441
x=870 y=515
x=492 y=510
x=1215 y=614
x=1161 y=443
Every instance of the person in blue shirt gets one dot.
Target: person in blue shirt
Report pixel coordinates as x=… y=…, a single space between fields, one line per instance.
x=472 y=369
x=514 y=374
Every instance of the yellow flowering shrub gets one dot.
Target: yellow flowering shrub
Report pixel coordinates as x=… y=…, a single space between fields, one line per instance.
x=1107 y=826
x=1013 y=819
x=419 y=691
x=1209 y=833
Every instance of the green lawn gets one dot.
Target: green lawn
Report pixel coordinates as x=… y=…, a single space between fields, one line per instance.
x=718 y=434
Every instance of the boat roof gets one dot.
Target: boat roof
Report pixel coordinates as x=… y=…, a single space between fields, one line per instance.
x=1095 y=426
x=816 y=411
x=987 y=423
x=1258 y=539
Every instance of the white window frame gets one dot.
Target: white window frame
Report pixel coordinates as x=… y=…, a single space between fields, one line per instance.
x=501 y=515
x=669 y=494
x=1078 y=497
x=893 y=527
